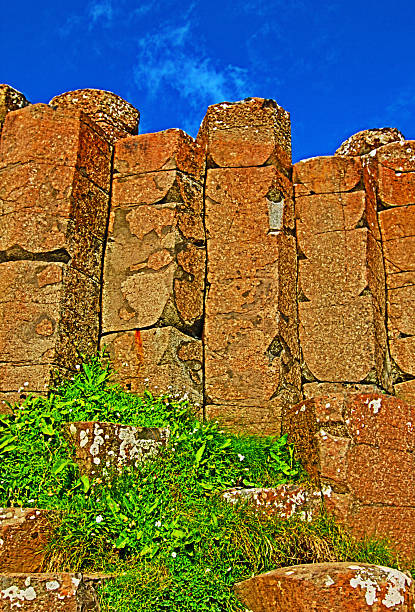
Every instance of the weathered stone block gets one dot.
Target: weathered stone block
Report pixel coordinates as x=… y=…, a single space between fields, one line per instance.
x=328 y=587
x=284 y=501
x=155 y=262
x=24 y=535
x=116 y=117
x=366 y=141
x=54 y=193
x=103 y=448
x=252 y=132
x=396 y=173
x=320 y=175
x=57 y=592
x=246 y=339
x=339 y=342
x=57 y=138
x=360 y=447
x=162 y=359
x=168 y=150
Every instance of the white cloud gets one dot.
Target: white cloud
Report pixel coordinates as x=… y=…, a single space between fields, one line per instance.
x=171 y=58
x=101 y=10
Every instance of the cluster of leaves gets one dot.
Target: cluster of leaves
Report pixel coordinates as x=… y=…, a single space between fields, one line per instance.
x=163 y=526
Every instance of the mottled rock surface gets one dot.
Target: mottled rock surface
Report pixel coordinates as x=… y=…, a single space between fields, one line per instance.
x=328 y=587
x=394 y=169
x=367 y=140
x=162 y=360
x=250 y=334
x=53 y=592
x=24 y=534
x=360 y=449
x=117 y=118
x=54 y=196
x=155 y=260
x=284 y=501
x=103 y=448
x=10 y=100
x=341 y=278
x=252 y=132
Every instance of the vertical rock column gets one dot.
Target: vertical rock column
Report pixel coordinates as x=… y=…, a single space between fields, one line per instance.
x=341 y=280
x=154 y=270
x=54 y=197
x=250 y=337
x=393 y=168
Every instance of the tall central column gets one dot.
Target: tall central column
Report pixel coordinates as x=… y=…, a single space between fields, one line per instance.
x=250 y=336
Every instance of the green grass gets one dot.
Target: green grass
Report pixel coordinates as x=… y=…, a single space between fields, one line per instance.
x=163 y=527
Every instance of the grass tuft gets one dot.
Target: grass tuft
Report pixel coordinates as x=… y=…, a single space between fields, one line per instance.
x=161 y=527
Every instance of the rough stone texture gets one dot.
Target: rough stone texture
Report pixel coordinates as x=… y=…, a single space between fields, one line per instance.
x=53 y=592
x=328 y=587
x=155 y=261
x=367 y=140
x=394 y=169
x=117 y=118
x=10 y=100
x=360 y=449
x=284 y=501
x=162 y=360
x=24 y=534
x=250 y=334
x=54 y=196
x=341 y=279
x=102 y=448
x=252 y=132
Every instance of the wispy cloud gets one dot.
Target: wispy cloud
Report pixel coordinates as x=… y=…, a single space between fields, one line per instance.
x=170 y=59
x=101 y=10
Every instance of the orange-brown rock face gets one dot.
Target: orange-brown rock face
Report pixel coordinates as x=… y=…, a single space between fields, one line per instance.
x=116 y=117
x=54 y=197
x=154 y=274
x=251 y=349
x=10 y=100
x=24 y=534
x=162 y=359
x=360 y=448
x=328 y=587
x=393 y=167
x=341 y=283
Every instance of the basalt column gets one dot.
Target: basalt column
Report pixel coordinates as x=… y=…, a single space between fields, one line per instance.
x=341 y=280
x=54 y=197
x=154 y=271
x=394 y=170
x=250 y=336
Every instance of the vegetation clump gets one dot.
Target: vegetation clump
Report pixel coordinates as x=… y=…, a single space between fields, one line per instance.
x=162 y=527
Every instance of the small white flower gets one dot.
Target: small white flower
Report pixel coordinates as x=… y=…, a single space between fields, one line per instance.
x=99 y=519
x=158 y=523
x=241 y=457
x=78 y=367
x=174 y=554
x=26 y=384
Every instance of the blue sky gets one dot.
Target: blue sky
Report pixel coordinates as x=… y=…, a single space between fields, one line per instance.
x=337 y=66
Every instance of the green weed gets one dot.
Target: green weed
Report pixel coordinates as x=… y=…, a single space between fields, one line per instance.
x=162 y=527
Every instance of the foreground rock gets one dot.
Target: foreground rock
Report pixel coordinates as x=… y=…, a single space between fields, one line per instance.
x=105 y=447
x=284 y=501
x=24 y=534
x=328 y=587
x=61 y=592
x=359 y=447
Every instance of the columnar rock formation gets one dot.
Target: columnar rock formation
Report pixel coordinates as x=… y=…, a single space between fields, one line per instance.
x=211 y=267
